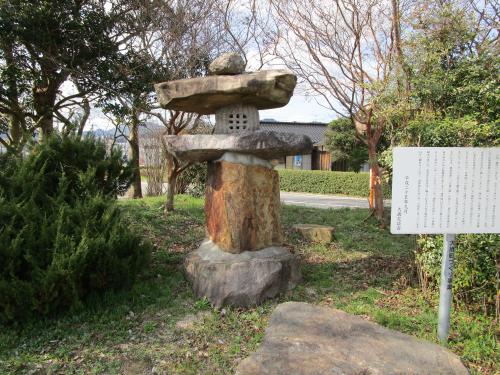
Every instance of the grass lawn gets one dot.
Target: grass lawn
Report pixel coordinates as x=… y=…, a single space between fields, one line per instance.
x=159 y=327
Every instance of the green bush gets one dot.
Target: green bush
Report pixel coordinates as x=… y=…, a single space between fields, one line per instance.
x=74 y=158
x=192 y=180
x=354 y=184
x=477 y=259
x=340 y=138
x=451 y=132
x=62 y=235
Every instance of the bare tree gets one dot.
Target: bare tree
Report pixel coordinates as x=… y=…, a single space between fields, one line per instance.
x=202 y=29
x=343 y=52
x=178 y=39
x=246 y=25
x=175 y=123
x=153 y=151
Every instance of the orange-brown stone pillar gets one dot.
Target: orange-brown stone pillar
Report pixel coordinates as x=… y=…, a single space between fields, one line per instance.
x=242 y=206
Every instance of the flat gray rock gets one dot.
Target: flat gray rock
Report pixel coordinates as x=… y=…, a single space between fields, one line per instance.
x=304 y=339
x=264 y=144
x=243 y=279
x=227 y=64
x=205 y=95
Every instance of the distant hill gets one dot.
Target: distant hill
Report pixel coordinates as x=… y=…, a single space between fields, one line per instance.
x=110 y=133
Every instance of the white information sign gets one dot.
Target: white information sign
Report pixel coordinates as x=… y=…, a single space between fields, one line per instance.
x=445 y=190
x=448 y=190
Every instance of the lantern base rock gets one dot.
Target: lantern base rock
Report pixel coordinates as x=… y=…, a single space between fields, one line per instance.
x=243 y=279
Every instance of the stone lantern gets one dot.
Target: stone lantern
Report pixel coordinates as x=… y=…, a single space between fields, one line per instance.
x=242 y=261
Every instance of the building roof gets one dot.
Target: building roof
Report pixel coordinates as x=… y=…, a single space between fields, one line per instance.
x=314 y=130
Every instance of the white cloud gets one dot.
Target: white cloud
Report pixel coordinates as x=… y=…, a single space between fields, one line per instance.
x=300 y=109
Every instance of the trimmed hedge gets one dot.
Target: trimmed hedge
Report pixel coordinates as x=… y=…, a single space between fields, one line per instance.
x=355 y=184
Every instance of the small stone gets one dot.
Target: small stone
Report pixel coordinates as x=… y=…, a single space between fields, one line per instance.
x=189 y=321
x=229 y=63
x=304 y=339
x=315 y=233
x=311 y=292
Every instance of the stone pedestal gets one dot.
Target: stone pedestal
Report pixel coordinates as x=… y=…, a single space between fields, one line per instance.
x=244 y=279
x=242 y=206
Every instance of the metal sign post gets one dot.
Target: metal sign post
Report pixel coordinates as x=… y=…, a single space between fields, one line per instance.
x=445 y=190
x=445 y=293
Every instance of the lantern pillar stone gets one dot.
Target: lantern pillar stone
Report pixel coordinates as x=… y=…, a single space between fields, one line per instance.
x=242 y=206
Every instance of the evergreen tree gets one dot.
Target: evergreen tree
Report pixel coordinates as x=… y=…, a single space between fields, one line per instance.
x=62 y=235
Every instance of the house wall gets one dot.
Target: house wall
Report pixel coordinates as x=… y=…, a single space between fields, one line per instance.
x=305 y=165
x=322 y=161
x=365 y=167
x=306 y=162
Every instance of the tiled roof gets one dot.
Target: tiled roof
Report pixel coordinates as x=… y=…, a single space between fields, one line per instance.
x=314 y=130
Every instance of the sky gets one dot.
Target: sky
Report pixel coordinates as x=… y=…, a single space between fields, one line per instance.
x=300 y=109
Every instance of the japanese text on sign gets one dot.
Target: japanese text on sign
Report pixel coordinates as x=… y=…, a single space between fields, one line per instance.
x=446 y=190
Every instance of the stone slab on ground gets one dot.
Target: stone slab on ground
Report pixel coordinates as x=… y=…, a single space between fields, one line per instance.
x=315 y=232
x=244 y=279
x=304 y=339
x=264 y=144
x=205 y=95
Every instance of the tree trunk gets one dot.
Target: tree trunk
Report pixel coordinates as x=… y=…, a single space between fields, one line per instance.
x=46 y=126
x=44 y=99
x=134 y=157
x=16 y=130
x=84 y=118
x=86 y=112
x=402 y=72
x=376 y=184
x=15 y=118
x=371 y=197
x=171 y=184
